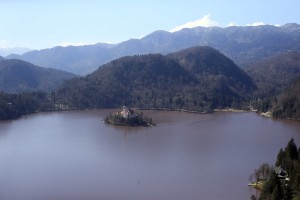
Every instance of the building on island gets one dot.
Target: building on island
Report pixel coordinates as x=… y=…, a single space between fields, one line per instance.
x=125 y=112
x=127 y=117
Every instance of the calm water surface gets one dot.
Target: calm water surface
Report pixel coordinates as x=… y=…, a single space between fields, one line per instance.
x=74 y=156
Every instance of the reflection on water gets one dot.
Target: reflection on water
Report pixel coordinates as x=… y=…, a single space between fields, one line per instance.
x=74 y=155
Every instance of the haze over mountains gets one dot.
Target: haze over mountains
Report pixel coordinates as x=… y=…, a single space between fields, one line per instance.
x=15 y=50
x=244 y=45
x=19 y=76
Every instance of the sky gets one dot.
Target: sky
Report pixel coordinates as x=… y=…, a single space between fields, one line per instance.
x=39 y=24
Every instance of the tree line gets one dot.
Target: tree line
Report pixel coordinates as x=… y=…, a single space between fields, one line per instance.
x=13 y=106
x=284 y=105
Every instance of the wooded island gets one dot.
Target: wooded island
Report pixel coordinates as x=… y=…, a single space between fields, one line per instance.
x=127 y=117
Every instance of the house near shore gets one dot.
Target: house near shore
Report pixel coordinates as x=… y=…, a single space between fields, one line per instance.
x=282 y=174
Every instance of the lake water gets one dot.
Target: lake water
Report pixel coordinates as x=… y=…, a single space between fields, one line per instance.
x=74 y=156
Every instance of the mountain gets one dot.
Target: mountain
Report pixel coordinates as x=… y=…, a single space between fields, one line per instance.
x=276 y=73
x=75 y=59
x=15 y=50
x=197 y=78
x=204 y=61
x=244 y=45
x=19 y=76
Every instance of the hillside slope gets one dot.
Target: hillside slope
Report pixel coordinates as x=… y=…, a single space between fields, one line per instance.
x=157 y=81
x=18 y=76
x=286 y=104
x=276 y=73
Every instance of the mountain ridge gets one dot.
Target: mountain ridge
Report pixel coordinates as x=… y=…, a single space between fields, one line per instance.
x=14 y=50
x=244 y=45
x=18 y=76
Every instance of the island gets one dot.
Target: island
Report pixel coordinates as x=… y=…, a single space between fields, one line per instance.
x=127 y=117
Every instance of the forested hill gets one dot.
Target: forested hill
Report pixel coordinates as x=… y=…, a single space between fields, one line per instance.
x=276 y=73
x=18 y=76
x=198 y=78
x=206 y=61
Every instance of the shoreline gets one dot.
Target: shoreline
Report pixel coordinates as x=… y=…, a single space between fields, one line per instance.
x=267 y=114
x=177 y=110
x=263 y=114
x=231 y=110
x=258 y=185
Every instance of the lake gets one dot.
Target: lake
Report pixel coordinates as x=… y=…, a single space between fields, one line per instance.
x=73 y=156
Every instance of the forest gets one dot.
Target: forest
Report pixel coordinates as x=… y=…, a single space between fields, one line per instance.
x=198 y=79
x=281 y=182
x=283 y=105
x=13 y=106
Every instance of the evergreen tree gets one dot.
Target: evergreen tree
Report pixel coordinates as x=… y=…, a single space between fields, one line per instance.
x=287 y=192
x=280 y=157
x=277 y=193
x=291 y=150
x=279 y=188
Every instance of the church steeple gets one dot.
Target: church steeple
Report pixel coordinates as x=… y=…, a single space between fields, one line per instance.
x=125 y=111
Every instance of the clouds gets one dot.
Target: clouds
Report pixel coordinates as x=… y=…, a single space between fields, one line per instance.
x=65 y=44
x=256 y=24
x=231 y=24
x=205 y=21
x=262 y=24
x=252 y=24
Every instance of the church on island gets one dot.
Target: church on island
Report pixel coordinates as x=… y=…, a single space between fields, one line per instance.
x=127 y=117
x=126 y=112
